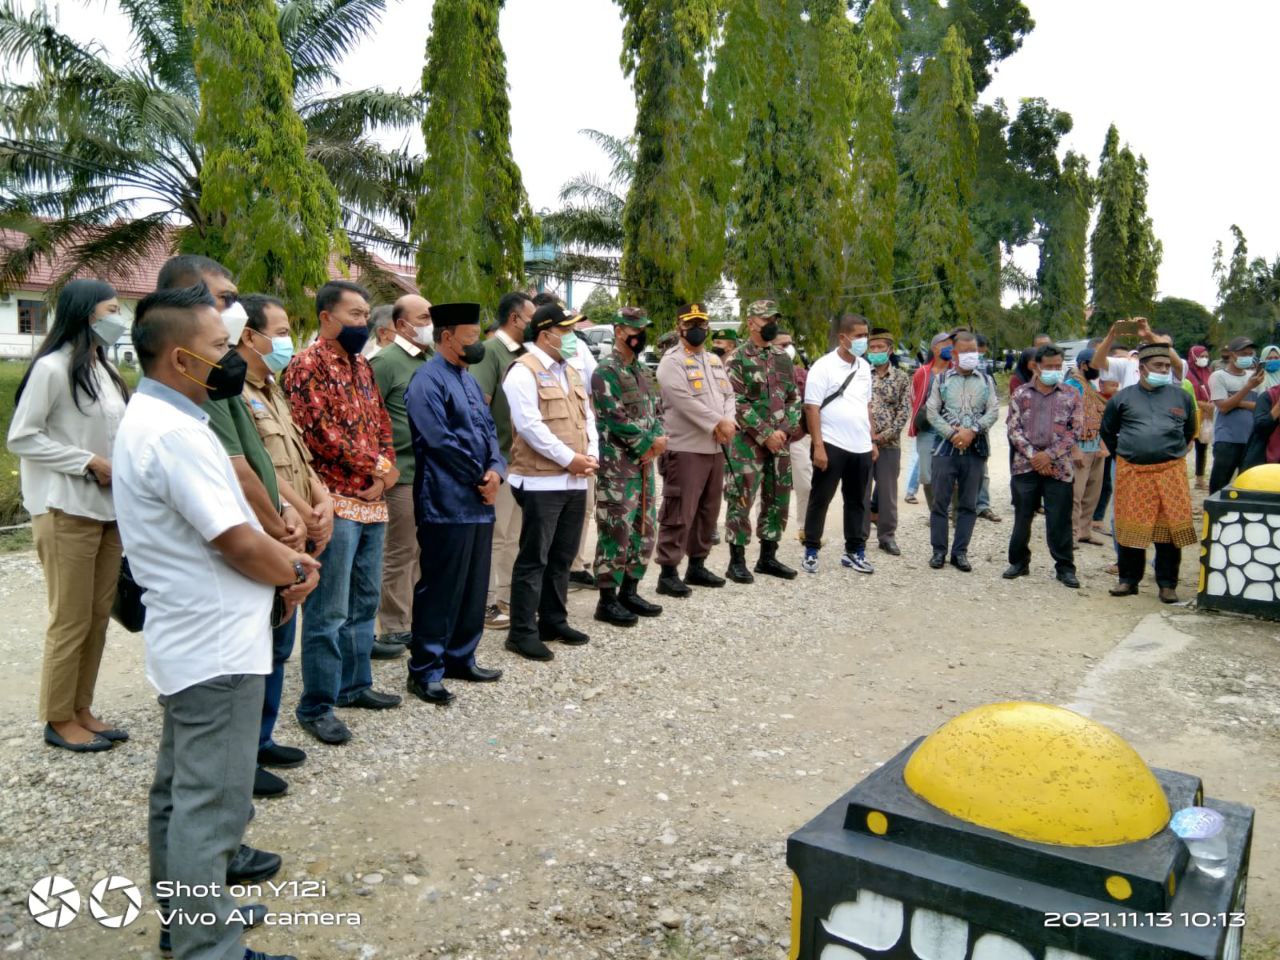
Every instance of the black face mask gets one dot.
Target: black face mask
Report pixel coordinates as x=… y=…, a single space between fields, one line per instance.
x=769 y=332
x=352 y=339
x=718 y=351
x=473 y=352
x=695 y=336
x=226 y=380
x=637 y=341
x=1091 y=374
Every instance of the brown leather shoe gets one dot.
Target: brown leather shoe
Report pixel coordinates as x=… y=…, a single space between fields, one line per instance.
x=1124 y=590
x=1168 y=595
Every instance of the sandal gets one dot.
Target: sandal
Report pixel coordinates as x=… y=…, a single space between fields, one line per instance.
x=911 y=499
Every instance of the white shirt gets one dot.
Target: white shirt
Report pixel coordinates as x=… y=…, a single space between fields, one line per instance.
x=846 y=420
x=56 y=439
x=175 y=491
x=408 y=346
x=584 y=362
x=521 y=389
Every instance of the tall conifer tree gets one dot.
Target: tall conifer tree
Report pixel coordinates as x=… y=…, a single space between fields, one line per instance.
x=1126 y=254
x=1062 y=276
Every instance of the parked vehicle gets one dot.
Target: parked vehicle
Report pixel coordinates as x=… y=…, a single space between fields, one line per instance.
x=599 y=340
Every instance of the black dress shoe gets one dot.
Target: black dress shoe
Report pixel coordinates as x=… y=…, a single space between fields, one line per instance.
x=670 y=584
x=267 y=784
x=386 y=651
x=891 y=548
x=565 y=634
x=699 y=576
x=530 y=650
x=1068 y=578
x=473 y=674
x=582 y=580
x=1013 y=571
x=431 y=692
x=280 y=757
x=400 y=638
x=55 y=739
x=637 y=604
x=938 y=560
x=961 y=562
x=327 y=729
x=609 y=610
x=370 y=699
x=252 y=866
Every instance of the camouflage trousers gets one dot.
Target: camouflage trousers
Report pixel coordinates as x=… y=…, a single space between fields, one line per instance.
x=626 y=525
x=751 y=469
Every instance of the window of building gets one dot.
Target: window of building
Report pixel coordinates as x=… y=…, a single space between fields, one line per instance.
x=33 y=317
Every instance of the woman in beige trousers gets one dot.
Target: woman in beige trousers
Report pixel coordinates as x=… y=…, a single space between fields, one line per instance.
x=68 y=408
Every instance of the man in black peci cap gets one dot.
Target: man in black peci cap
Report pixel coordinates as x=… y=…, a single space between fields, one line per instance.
x=554 y=450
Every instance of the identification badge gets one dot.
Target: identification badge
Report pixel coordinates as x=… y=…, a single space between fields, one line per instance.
x=546 y=379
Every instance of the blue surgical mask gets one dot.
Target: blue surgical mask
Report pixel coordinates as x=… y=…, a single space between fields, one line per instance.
x=945 y=354
x=858 y=347
x=877 y=359
x=1271 y=366
x=1160 y=379
x=1051 y=378
x=280 y=355
x=1244 y=363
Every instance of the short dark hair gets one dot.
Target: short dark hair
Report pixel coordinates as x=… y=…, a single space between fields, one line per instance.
x=330 y=295
x=1039 y=335
x=544 y=298
x=166 y=316
x=1048 y=350
x=255 y=305
x=187 y=270
x=510 y=304
x=982 y=340
x=848 y=321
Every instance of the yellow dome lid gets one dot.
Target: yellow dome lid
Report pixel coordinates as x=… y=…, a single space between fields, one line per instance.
x=1041 y=773
x=1265 y=478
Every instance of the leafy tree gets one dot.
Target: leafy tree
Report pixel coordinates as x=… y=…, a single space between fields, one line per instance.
x=673 y=225
x=935 y=191
x=272 y=214
x=99 y=162
x=875 y=168
x=601 y=305
x=588 y=228
x=1186 y=321
x=1062 y=275
x=473 y=212
x=1126 y=254
x=1248 y=294
x=1145 y=251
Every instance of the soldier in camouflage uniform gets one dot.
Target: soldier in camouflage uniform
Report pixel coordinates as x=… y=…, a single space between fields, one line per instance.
x=631 y=440
x=759 y=458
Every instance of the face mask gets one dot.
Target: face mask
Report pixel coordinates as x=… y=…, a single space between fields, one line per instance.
x=423 y=335
x=473 y=353
x=858 y=347
x=1091 y=374
x=568 y=346
x=791 y=351
x=226 y=377
x=108 y=330
x=1272 y=366
x=1160 y=379
x=945 y=354
x=696 y=336
x=280 y=355
x=769 y=332
x=1244 y=363
x=718 y=351
x=352 y=339
x=637 y=341
x=235 y=319
x=969 y=361
x=878 y=359
x=1202 y=361
x=1051 y=378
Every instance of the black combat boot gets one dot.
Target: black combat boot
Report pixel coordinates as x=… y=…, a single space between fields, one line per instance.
x=609 y=610
x=738 y=571
x=637 y=604
x=670 y=584
x=697 y=574
x=769 y=562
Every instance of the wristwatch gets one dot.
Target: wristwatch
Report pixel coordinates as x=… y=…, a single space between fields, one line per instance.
x=300 y=572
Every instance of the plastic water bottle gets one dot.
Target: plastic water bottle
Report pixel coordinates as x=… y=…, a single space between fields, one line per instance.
x=1202 y=830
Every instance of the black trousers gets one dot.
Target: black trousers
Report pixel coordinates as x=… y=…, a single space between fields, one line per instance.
x=1133 y=561
x=1104 y=498
x=550 y=531
x=852 y=473
x=448 y=601
x=1202 y=458
x=1029 y=490
x=1227 y=459
x=963 y=472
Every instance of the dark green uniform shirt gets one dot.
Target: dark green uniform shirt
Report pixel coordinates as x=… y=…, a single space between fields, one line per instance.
x=233 y=424
x=489 y=373
x=393 y=368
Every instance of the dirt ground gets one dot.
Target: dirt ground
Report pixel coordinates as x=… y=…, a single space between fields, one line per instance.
x=633 y=798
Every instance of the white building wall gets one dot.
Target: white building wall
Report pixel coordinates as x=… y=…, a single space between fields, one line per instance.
x=20 y=345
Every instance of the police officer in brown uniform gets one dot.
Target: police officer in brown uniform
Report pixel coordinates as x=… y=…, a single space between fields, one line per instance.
x=699 y=419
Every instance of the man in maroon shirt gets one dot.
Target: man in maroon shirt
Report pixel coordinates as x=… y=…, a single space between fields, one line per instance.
x=337 y=407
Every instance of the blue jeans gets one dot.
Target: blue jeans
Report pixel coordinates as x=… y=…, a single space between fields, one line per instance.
x=913 y=472
x=338 y=618
x=926 y=440
x=282 y=638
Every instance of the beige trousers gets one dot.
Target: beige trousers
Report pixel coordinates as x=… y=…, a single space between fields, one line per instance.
x=1086 y=491
x=801 y=477
x=81 y=560
x=399 y=562
x=506 y=544
x=587 y=545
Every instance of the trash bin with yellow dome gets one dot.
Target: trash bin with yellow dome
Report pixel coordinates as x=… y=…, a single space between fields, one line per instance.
x=1016 y=831
x=1240 y=549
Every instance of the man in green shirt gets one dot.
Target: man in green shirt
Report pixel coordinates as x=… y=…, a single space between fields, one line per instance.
x=393 y=367
x=515 y=311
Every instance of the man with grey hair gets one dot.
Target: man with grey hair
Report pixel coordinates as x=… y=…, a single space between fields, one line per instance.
x=382 y=330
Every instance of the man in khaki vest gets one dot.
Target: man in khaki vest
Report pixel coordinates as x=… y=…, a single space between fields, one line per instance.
x=553 y=451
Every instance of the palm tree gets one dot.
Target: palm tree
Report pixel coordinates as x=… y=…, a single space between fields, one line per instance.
x=100 y=162
x=588 y=228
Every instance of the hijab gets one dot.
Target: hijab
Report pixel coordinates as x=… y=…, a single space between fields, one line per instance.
x=1270 y=352
x=1199 y=376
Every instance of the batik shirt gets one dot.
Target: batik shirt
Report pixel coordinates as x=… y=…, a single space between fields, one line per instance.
x=1049 y=423
x=890 y=406
x=961 y=402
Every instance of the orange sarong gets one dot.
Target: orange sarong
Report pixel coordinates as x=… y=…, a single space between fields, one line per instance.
x=1153 y=504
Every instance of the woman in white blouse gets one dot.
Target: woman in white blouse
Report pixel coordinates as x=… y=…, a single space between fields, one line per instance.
x=69 y=406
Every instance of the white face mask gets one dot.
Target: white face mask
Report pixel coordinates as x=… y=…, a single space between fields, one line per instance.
x=424 y=334
x=1202 y=361
x=235 y=319
x=969 y=361
x=791 y=351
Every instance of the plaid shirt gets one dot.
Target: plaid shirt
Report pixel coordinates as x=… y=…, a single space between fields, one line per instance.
x=1045 y=423
x=890 y=406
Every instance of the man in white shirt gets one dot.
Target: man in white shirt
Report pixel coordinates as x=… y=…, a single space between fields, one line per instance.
x=580 y=575
x=1124 y=370
x=208 y=570
x=554 y=451
x=837 y=398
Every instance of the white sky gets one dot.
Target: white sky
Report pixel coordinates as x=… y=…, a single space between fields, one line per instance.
x=1187 y=85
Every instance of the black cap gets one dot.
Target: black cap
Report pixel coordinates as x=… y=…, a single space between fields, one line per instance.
x=455 y=314
x=552 y=315
x=1241 y=343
